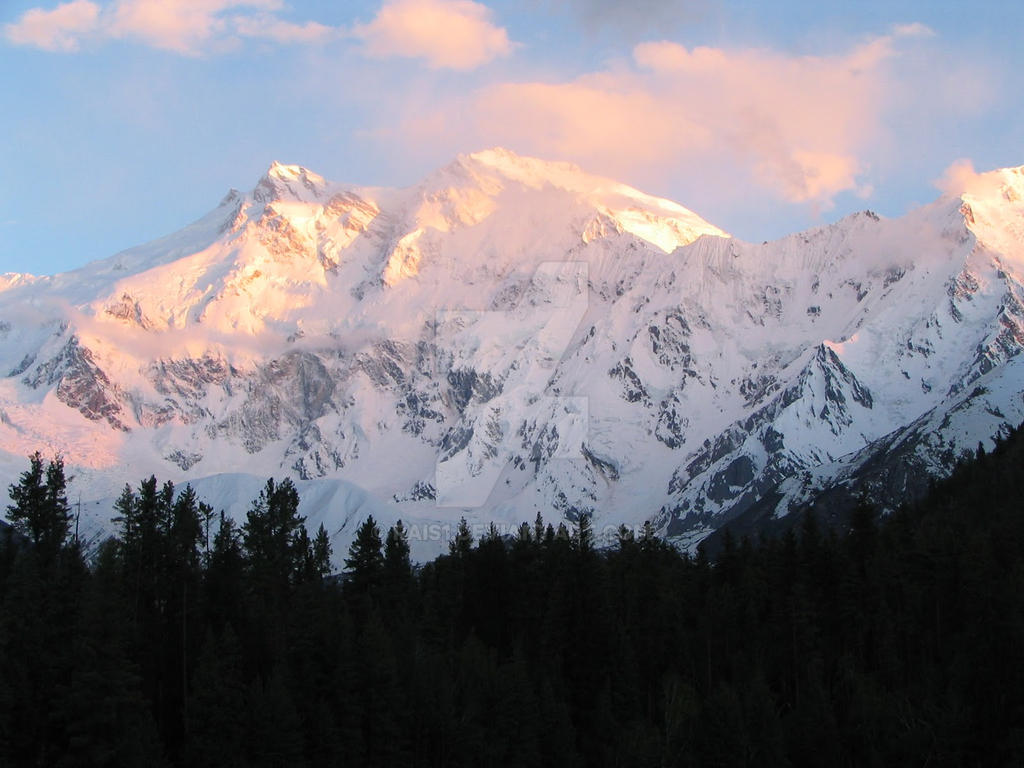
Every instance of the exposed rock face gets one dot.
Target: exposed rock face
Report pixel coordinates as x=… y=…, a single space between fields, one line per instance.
x=512 y=336
x=80 y=383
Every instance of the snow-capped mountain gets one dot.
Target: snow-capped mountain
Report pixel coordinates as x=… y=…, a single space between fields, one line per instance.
x=512 y=336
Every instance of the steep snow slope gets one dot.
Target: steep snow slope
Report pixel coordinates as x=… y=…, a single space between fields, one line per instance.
x=508 y=336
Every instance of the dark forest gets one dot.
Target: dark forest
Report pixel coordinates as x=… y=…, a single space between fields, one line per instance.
x=191 y=640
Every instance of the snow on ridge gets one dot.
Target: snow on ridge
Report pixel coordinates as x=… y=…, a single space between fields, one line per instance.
x=353 y=336
x=662 y=222
x=15 y=279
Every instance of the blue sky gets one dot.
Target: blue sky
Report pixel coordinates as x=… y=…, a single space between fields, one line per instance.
x=127 y=119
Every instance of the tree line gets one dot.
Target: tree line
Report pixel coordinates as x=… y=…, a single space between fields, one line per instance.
x=191 y=640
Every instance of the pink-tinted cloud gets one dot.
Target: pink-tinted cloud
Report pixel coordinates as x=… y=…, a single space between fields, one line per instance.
x=182 y=26
x=795 y=125
x=450 y=34
x=187 y=27
x=913 y=29
x=269 y=27
x=960 y=178
x=58 y=30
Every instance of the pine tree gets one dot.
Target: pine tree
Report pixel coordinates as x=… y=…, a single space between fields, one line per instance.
x=863 y=532
x=38 y=620
x=397 y=564
x=562 y=534
x=186 y=530
x=217 y=725
x=182 y=595
x=365 y=562
x=275 y=731
x=275 y=541
x=462 y=544
x=626 y=539
x=102 y=710
x=40 y=510
x=27 y=637
x=322 y=552
x=143 y=520
x=303 y=571
x=584 y=538
x=524 y=535
x=648 y=538
x=223 y=582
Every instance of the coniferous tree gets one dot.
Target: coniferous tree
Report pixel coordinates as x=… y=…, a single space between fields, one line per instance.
x=103 y=712
x=365 y=562
x=39 y=613
x=277 y=554
x=862 y=530
x=40 y=507
x=397 y=563
x=896 y=642
x=217 y=724
x=550 y=535
x=303 y=570
x=274 y=538
x=584 y=538
x=322 y=552
x=462 y=544
x=224 y=576
x=538 y=528
x=524 y=535
x=648 y=539
x=30 y=672
x=274 y=738
x=626 y=539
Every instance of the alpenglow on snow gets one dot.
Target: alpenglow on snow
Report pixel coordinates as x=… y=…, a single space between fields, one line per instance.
x=512 y=336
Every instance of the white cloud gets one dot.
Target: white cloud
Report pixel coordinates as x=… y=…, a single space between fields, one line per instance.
x=187 y=27
x=182 y=26
x=269 y=27
x=914 y=29
x=58 y=30
x=960 y=178
x=798 y=126
x=452 y=34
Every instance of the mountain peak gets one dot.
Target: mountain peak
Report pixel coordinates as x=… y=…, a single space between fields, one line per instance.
x=997 y=186
x=992 y=207
x=290 y=182
x=524 y=168
x=535 y=172
x=661 y=222
x=282 y=172
x=1004 y=184
x=507 y=314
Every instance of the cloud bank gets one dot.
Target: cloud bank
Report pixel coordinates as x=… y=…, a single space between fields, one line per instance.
x=186 y=27
x=454 y=34
x=960 y=178
x=804 y=128
x=797 y=126
x=60 y=29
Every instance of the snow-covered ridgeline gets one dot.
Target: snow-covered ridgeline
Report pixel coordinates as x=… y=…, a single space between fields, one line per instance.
x=409 y=345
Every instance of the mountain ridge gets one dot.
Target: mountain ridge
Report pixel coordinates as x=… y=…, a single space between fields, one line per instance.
x=523 y=330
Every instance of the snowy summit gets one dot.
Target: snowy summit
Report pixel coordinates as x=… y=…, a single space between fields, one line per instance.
x=512 y=335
